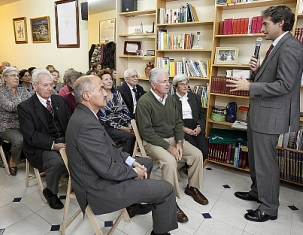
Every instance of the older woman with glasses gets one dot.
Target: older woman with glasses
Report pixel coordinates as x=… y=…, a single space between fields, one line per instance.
x=10 y=96
x=115 y=117
x=26 y=80
x=193 y=115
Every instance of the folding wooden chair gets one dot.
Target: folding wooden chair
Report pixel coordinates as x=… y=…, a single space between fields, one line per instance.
x=36 y=176
x=5 y=163
x=91 y=216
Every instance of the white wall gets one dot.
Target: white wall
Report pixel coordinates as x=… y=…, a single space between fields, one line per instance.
x=40 y=54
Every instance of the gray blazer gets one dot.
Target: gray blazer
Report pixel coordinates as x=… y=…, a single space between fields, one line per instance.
x=275 y=94
x=94 y=161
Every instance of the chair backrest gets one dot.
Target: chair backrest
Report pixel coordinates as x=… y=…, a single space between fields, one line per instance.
x=64 y=158
x=139 y=143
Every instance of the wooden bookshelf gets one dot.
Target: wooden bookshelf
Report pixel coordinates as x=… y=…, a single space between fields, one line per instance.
x=138 y=13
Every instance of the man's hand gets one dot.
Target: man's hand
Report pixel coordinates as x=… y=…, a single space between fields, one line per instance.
x=197 y=130
x=127 y=129
x=141 y=170
x=176 y=151
x=58 y=146
x=238 y=84
x=188 y=131
x=254 y=64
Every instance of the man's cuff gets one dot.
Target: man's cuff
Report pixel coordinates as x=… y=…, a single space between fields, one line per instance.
x=129 y=161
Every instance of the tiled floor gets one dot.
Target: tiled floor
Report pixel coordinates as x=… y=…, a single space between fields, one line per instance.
x=23 y=212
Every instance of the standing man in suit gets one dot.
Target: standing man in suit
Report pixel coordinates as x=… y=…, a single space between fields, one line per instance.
x=103 y=176
x=161 y=129
x=131 y=91
x=43 y=121
x=274 y=108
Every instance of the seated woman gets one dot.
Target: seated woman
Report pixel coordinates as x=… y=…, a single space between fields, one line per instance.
x=10 y=96
x=26 y=80
x=70 y=99
x=193 y=115
x=56 y=76
x=115 y=117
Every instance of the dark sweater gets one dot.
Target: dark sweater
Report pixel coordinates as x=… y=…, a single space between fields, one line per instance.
x=157 y=121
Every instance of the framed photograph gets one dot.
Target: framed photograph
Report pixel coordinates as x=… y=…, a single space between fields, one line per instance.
x=150 y=52
x=226 y=55
x=132 y=47
x=67 y=24
x=20 y=30
x=107 y=29
x=40 y=29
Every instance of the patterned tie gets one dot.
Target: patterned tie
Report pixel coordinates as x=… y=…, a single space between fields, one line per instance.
x=136 y=93
x=49 y=107
x=268 y=52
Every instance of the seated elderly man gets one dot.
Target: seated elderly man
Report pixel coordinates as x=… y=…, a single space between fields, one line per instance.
x=131 y=91
x=161 y=129
x=103 y=176
x=43 y=121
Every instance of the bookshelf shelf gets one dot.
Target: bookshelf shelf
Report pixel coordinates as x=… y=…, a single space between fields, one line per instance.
x=186 y=50
x=301 y=119
x=293 y=150
x=220 y=123
x=231 y=65
x=228 y=95
x=300 y=15
x=239 y=35
x=138 y=35
x=138 y=13
x=137 y=57
x=229 y=165
x=254 y=4
x=187 y=24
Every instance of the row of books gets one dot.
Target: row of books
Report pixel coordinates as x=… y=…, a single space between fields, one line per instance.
x=223 y=2
x=173 y=42
x=218 y=85
x=201 y=90
x=290 y=165
x=293 y=140
x=186 y=13
x=299 y=34
x=234 y=154
x=240 y=25
x=186 y=66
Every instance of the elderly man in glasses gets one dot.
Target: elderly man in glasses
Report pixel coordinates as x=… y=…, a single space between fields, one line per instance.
x=130 y=90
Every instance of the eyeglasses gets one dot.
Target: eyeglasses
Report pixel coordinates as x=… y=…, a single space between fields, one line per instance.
x=133 y=76
x=13 y=75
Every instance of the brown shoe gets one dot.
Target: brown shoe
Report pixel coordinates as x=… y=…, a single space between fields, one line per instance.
x=196 y=194
x=181 y=217
x=12 y=169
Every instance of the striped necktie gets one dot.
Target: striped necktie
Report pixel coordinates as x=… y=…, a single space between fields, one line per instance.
x=49 y=107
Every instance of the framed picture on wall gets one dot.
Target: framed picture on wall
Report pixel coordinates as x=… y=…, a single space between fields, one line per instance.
x=107 y=29
x=40 y=29
x=20 y=30
x=67 y=24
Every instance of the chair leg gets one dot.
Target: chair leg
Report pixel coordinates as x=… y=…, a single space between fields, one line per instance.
x=26 y=173
x=4 y=160
x=37 y=174
x=92 y=218
x=124 y=215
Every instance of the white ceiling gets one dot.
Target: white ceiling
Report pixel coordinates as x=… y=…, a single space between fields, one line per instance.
x=97 y=6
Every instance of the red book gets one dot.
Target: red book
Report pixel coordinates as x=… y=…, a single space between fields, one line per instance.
x=221 y=27
x=259 y=24
x=254 y=24
x=245 y=29
x=235 y=26
x=241 y=25
x=230 y=26
x=225 y=25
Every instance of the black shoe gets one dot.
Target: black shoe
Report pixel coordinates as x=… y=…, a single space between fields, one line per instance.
x=138 y=209
x=52 y=199
x=259 y=216
x=152 y=233
x=246 y=196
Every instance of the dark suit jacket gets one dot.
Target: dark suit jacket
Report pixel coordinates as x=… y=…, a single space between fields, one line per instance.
x=95 y=161
x=34 y=127
x=127 y=96
x=199 y=113
x=275 y=94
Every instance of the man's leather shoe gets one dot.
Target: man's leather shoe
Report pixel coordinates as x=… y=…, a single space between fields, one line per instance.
x=246 y=196
x=259 y=216
x=13 y=170
x=181 y=217
x=152 y=233
x=52 y=199
x=138 y=209
x=196 y=194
